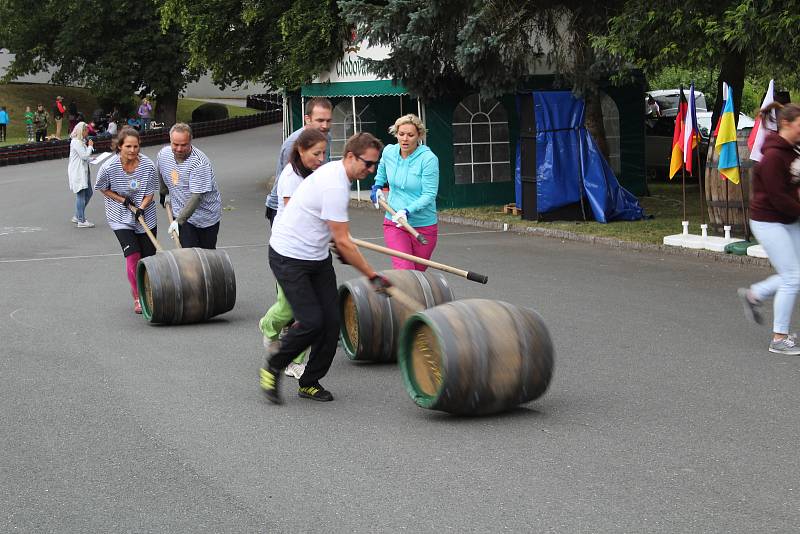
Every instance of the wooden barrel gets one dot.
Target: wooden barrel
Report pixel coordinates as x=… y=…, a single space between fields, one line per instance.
x=370 y=325
x=186 y=285
x=475 y=357
x=715 y=193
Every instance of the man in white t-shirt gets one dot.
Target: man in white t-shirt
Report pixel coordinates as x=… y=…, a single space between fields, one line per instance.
x=300 y=259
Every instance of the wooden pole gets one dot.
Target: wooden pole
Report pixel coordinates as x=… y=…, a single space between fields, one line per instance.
x=174 y=237
x=404 y=223
x=147 y=230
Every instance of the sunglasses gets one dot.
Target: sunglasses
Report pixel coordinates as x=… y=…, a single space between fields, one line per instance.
x=367 y=162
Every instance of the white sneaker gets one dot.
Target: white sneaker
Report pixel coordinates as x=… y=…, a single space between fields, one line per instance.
x=85 y=224
x=74 y=219
x=295 y=369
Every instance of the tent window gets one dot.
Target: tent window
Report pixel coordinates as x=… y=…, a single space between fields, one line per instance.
x=611 y=125
x=480 y=141
x=342 y=123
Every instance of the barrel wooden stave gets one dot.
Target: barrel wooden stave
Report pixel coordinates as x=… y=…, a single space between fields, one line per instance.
x=492 y=356
x=186 y=285
x=379 y=318
x=714 y=188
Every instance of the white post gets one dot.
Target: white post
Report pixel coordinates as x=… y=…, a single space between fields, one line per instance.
x=685 y=225
x=704 y=230
x=727 y=229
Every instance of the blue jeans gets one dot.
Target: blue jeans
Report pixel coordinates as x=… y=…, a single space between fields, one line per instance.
x=782 y=244
x=82 y=198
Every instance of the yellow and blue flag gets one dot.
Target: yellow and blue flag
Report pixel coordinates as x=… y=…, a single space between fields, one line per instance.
x=726 y=142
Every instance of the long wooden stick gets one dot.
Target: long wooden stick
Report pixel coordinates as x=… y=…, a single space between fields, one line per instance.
x=174 y=237
x=147 y=230
x=404 y=223
x=469 y=275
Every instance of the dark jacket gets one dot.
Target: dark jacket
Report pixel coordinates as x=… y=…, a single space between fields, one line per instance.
x=775 y=183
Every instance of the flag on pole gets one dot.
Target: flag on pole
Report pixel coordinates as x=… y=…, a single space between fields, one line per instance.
x=726 y=143
x=689 y=132
x=759 y=131
x=724 y=98
x=676 y=159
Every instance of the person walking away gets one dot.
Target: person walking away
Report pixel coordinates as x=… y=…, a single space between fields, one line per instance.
x=58 y=115
x=40 y=121
x=308 y=154
x=300 y=259
x=187 y=182
x=29 y=124
x=144 y=111
x=78 y=173
x=129 y=179
x=774 y=212
x=411 y=170
x=3 y=123
x=318 y=115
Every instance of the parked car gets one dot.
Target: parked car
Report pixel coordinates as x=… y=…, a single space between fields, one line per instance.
x=704 y=123
x=667 y=100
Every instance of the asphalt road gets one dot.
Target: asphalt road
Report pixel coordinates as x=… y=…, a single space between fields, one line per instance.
x=666 y=412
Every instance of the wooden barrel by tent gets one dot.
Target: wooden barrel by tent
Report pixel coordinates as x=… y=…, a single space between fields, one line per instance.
x=371 y=323
x=715 y=193
x=186 y=285
x=475 y=356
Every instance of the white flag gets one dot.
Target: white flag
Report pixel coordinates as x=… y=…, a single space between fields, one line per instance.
x=759 y=132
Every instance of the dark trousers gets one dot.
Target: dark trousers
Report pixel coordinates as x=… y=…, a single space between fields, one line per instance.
x=2 y=132
x=192 y=236
x=310 y=288
x=40 y=135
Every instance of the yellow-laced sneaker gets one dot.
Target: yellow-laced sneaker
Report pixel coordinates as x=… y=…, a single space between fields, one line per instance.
x=315 y=392
x=270 y=381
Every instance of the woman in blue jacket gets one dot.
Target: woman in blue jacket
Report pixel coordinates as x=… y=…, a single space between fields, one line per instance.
x=411 y=171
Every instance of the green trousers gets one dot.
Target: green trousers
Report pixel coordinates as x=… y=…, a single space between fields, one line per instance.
x=278 y=317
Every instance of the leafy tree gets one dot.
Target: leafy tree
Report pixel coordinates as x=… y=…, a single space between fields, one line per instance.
x=448 y=46
x=282 y=43
x=113 y=48
x=736 y=36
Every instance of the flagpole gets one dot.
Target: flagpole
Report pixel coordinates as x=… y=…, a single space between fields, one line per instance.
x=700 y=180
x=683 y=190
x=741 y=189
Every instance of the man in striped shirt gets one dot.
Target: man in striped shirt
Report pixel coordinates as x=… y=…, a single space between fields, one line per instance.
x=188 y=185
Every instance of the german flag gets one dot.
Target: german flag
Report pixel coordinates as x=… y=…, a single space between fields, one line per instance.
x=676 y=161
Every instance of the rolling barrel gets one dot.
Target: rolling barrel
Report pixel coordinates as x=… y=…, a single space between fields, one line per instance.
x=475 y=357
x=370 y=325
x=186 y=285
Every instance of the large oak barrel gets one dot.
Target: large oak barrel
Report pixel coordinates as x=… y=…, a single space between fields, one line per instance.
x=475 y=356
x=185 y=285
x=721 y=212
x=370 y=325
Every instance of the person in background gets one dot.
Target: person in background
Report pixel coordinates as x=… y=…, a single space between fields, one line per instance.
x=129 y=180
x=144 y=112
x=774 y=213
x=112 y=127
x=29 y=124
x=308 y=154
x=78 y=172
x=652 y=111
x=319 y=114
x=187 y=183
x=40 y=121
x=58 y=115
x=72 y=111
x=3 y=123
x=411 y=170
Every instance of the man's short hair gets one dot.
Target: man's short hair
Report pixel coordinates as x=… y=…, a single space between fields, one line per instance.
x=360 y=143
x=181 y=127
x=318 y=102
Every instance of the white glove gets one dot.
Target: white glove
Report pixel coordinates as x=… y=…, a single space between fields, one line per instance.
x=401 y=214
x=173 y=228
x=378 y=197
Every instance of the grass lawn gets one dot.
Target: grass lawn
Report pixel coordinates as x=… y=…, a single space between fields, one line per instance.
x=664 y=204
x=15 y=96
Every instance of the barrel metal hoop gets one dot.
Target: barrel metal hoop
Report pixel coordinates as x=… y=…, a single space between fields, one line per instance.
x=209 y=294
x=427 y=290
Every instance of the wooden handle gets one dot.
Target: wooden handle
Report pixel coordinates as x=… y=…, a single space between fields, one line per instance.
x=469 y=275
x=410 y=303
x=404 y=223
x=147 y=230
x=174 y=237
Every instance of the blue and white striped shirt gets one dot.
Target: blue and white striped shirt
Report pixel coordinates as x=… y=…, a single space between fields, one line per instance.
x=183 y=179
x=137 y=185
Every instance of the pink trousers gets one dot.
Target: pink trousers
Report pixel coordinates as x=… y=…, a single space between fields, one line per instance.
x=400 y=239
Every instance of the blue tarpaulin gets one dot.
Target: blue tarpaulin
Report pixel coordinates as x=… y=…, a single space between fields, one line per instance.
x=568 y=163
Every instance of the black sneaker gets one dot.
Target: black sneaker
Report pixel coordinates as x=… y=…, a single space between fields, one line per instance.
x=270 y=384
x=315 y=392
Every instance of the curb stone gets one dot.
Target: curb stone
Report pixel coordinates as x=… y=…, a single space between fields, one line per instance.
x=604 y=241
